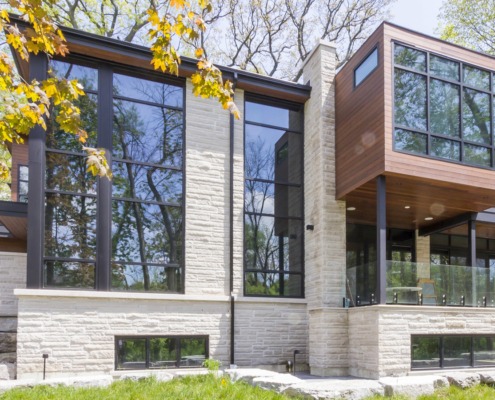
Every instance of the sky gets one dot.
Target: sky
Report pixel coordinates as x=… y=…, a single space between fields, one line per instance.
x=419 y=15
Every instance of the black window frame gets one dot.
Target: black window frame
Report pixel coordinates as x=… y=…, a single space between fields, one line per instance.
x=147 y=339
x=291 y=106
x=103 y=254
x=365 y=58
x=461 y=86
x=441 y=355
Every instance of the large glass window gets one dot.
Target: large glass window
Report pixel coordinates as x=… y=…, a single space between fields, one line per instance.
x=273 y=200
x=144 y=202
x=442 y=108
x=452 y=351
x=147 y=186
x=159 y=352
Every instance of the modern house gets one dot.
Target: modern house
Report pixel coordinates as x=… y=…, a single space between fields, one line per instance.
x=346 y=221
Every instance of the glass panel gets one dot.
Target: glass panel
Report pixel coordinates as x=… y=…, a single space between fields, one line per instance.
x=425 y=352
x=477 y=155
x=476 y=77
x=269 y=198
x=484 y=351
x=151 y=91
x=402 y=282
x=476 y=116
x=149 y=278
x=23 y=173
x=276 y=116
x=147 y=133
x=70 y=226
x=273 y=154
x=410 y=58
x=272 y=243
x=131 y=353
x=23 y=192
x=444 y=148
x=439 y=239
x=135 y=181
x=86 y=76
x=68 y=173
x=459 y=241
x=410 y=99
x=273 y=284
x=146 y=233
x=62 y=274
x=410 y=141
x=163 y=353
x=444 y=68
x=366 y=67
x=444 y=108
x=56 y=138
x=192 y=352
x=456 y=351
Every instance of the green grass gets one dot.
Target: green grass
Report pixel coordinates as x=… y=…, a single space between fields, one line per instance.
x=479 y=392
x=203 y=387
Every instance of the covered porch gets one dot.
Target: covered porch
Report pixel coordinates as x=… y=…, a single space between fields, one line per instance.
x=420 y=242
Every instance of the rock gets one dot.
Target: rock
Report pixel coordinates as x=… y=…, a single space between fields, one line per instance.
x=138 y=376
x=463 y=379
x=8 y=342
x=336 y=388
x=278 y=382
x=487 y=377
x=248 y=374
x=412 y=386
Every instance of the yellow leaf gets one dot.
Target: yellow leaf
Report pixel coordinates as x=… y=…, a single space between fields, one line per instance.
x=199 y=52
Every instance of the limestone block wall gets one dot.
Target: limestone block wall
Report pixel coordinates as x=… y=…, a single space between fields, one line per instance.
x=267 y=331
x=380 y=336
x=77 y=329
x=12 y=276
x=207 y=200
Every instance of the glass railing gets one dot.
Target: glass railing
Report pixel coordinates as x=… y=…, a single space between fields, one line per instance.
x=423 y=284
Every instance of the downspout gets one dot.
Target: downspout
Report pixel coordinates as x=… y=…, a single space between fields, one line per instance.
x=231 y=233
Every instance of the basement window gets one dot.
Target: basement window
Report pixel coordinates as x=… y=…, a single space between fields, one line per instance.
x=452 y=351
x=160 y=352
x=367 y=66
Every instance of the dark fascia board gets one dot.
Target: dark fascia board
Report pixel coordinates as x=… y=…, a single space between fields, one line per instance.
x=247 y=81
x=13 y=209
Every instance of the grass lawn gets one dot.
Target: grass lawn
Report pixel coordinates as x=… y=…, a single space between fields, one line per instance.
x=202 y=387
x=480 y=392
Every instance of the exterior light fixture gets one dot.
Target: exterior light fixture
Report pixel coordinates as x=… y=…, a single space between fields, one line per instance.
x=351 y=208
x=428 y=218
x=407 y=207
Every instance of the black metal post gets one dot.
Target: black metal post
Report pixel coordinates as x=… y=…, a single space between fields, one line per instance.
x=45 y=356
x=38 y=69
x=381 y=239
x=294 y=365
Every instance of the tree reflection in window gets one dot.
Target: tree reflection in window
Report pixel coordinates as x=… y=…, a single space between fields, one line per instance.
x=147 y=186
x=273 y=201
x=457 y=125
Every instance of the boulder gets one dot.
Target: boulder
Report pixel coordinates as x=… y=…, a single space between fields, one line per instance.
x=413 y=386
x=463 y=379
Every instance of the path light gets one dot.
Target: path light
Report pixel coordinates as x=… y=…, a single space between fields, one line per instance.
x=295 y=352
x=45 y=356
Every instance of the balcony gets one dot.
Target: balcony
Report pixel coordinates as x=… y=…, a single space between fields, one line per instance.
x=412 y=283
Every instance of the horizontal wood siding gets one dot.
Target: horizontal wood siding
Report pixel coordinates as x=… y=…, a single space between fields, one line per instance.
x=359 y=121
x=422 y=167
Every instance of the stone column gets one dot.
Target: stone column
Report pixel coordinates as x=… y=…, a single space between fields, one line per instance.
x=325 y=247
x=423 y=256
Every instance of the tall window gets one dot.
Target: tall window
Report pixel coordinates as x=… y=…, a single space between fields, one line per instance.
x=273 y=207
x=443 y=108
x=147 y=185
x=145 y=196
x=22 y=183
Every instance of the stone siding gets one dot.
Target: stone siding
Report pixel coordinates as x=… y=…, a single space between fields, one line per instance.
x=12 y=276
x=380 y=336
x=267 y=333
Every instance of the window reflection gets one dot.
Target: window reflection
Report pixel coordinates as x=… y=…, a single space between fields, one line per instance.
x=445 y=148
x=410 y=58
x=68 y=173
x=444 y=108
x=476 y=77
x=444 y=68
x=410 y=141
x=273 y=202
x=410 y=99
x=476 y=116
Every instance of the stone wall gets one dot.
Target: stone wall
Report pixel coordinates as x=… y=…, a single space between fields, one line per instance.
x=380 y=336
x=12 y=276
x=268 y=331
x=325 y=250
